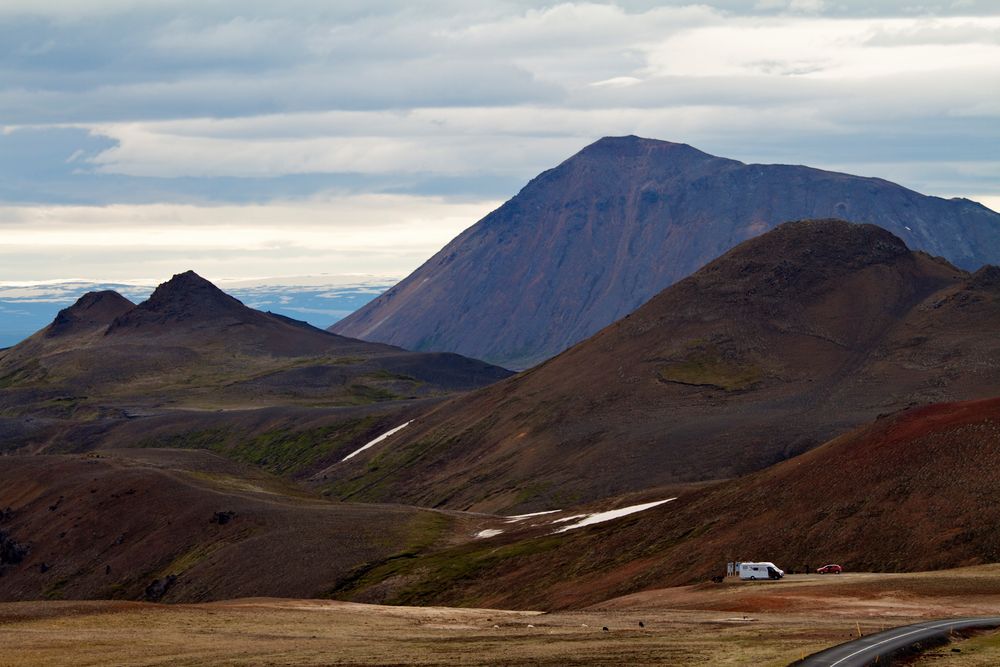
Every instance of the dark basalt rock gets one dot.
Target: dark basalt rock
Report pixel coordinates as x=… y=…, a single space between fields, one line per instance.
x=187 y=298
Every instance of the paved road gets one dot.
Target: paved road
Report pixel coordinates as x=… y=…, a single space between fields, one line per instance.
x=864 y=651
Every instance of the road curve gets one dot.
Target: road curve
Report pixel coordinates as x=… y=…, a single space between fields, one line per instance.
x=881 y=645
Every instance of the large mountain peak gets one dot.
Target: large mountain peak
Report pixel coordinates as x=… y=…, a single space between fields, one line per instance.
x=589 y=241
x=614 y=164
x=631 y=145
x=91 y=311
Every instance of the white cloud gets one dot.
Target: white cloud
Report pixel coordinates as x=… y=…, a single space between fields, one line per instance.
x=382 y=234
x=387 y=95
x=806 y=5
x=819 y=48
x=326 y=143
x=989 y=201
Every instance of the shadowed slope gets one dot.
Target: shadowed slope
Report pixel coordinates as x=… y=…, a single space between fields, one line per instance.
x=589 y=241
x=94 y=310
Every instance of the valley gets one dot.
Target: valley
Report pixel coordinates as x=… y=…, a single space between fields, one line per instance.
x=237 y=483
x=508 y=333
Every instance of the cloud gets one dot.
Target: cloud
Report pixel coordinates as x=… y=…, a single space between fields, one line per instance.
x=212 y=108
x=381 y=234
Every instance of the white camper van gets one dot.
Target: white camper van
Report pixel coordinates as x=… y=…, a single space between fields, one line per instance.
x=760 y=571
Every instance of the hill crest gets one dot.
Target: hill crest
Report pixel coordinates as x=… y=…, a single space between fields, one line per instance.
x=92 y=311
x=186 y=298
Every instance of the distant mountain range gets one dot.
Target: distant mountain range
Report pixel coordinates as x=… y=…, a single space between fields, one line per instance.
x=589 y=241
x=789 y=339
x=320 y=300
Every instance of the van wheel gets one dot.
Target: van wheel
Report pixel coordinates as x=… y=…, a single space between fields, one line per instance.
x=753 y=578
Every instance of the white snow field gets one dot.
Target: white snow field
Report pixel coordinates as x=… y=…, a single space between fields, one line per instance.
x=489 y=532
x=376 y=440
x=600 y=517
x=521 y=517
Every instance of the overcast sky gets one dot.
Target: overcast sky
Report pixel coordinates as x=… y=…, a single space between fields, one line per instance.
x=140 y=138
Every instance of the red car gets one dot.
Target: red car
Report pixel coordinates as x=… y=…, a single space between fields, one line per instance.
x=829 y=569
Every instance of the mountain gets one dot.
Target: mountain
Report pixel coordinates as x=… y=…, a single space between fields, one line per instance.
x=191 y=332
x=911 y=492
x=321 y=300
x=198 y=363
x=190 y=308
x=587 y=242
x=784 y=342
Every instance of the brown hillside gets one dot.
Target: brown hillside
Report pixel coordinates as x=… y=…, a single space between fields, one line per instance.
x=783 y=343
x=911 y=492
x=194 y=368
x=192 y=345
x=112 y=524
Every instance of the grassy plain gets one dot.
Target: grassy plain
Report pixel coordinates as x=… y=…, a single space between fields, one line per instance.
x=729 y=624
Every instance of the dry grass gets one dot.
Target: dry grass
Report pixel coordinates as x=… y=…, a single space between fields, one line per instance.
x=732 y=624
x=979 y=651
x=287 y=632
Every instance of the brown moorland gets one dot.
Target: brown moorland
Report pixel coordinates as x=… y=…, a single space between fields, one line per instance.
x=185 y=525
x=194 y=367
x=788 y=340
x=914 y=491
x=768 y=624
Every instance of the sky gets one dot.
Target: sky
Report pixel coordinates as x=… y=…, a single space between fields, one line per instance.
x=253 y=139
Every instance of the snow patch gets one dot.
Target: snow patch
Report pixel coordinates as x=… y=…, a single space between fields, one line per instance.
x=514 y=518
x=376 y=440
x=600 y=517
x=489 y=532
